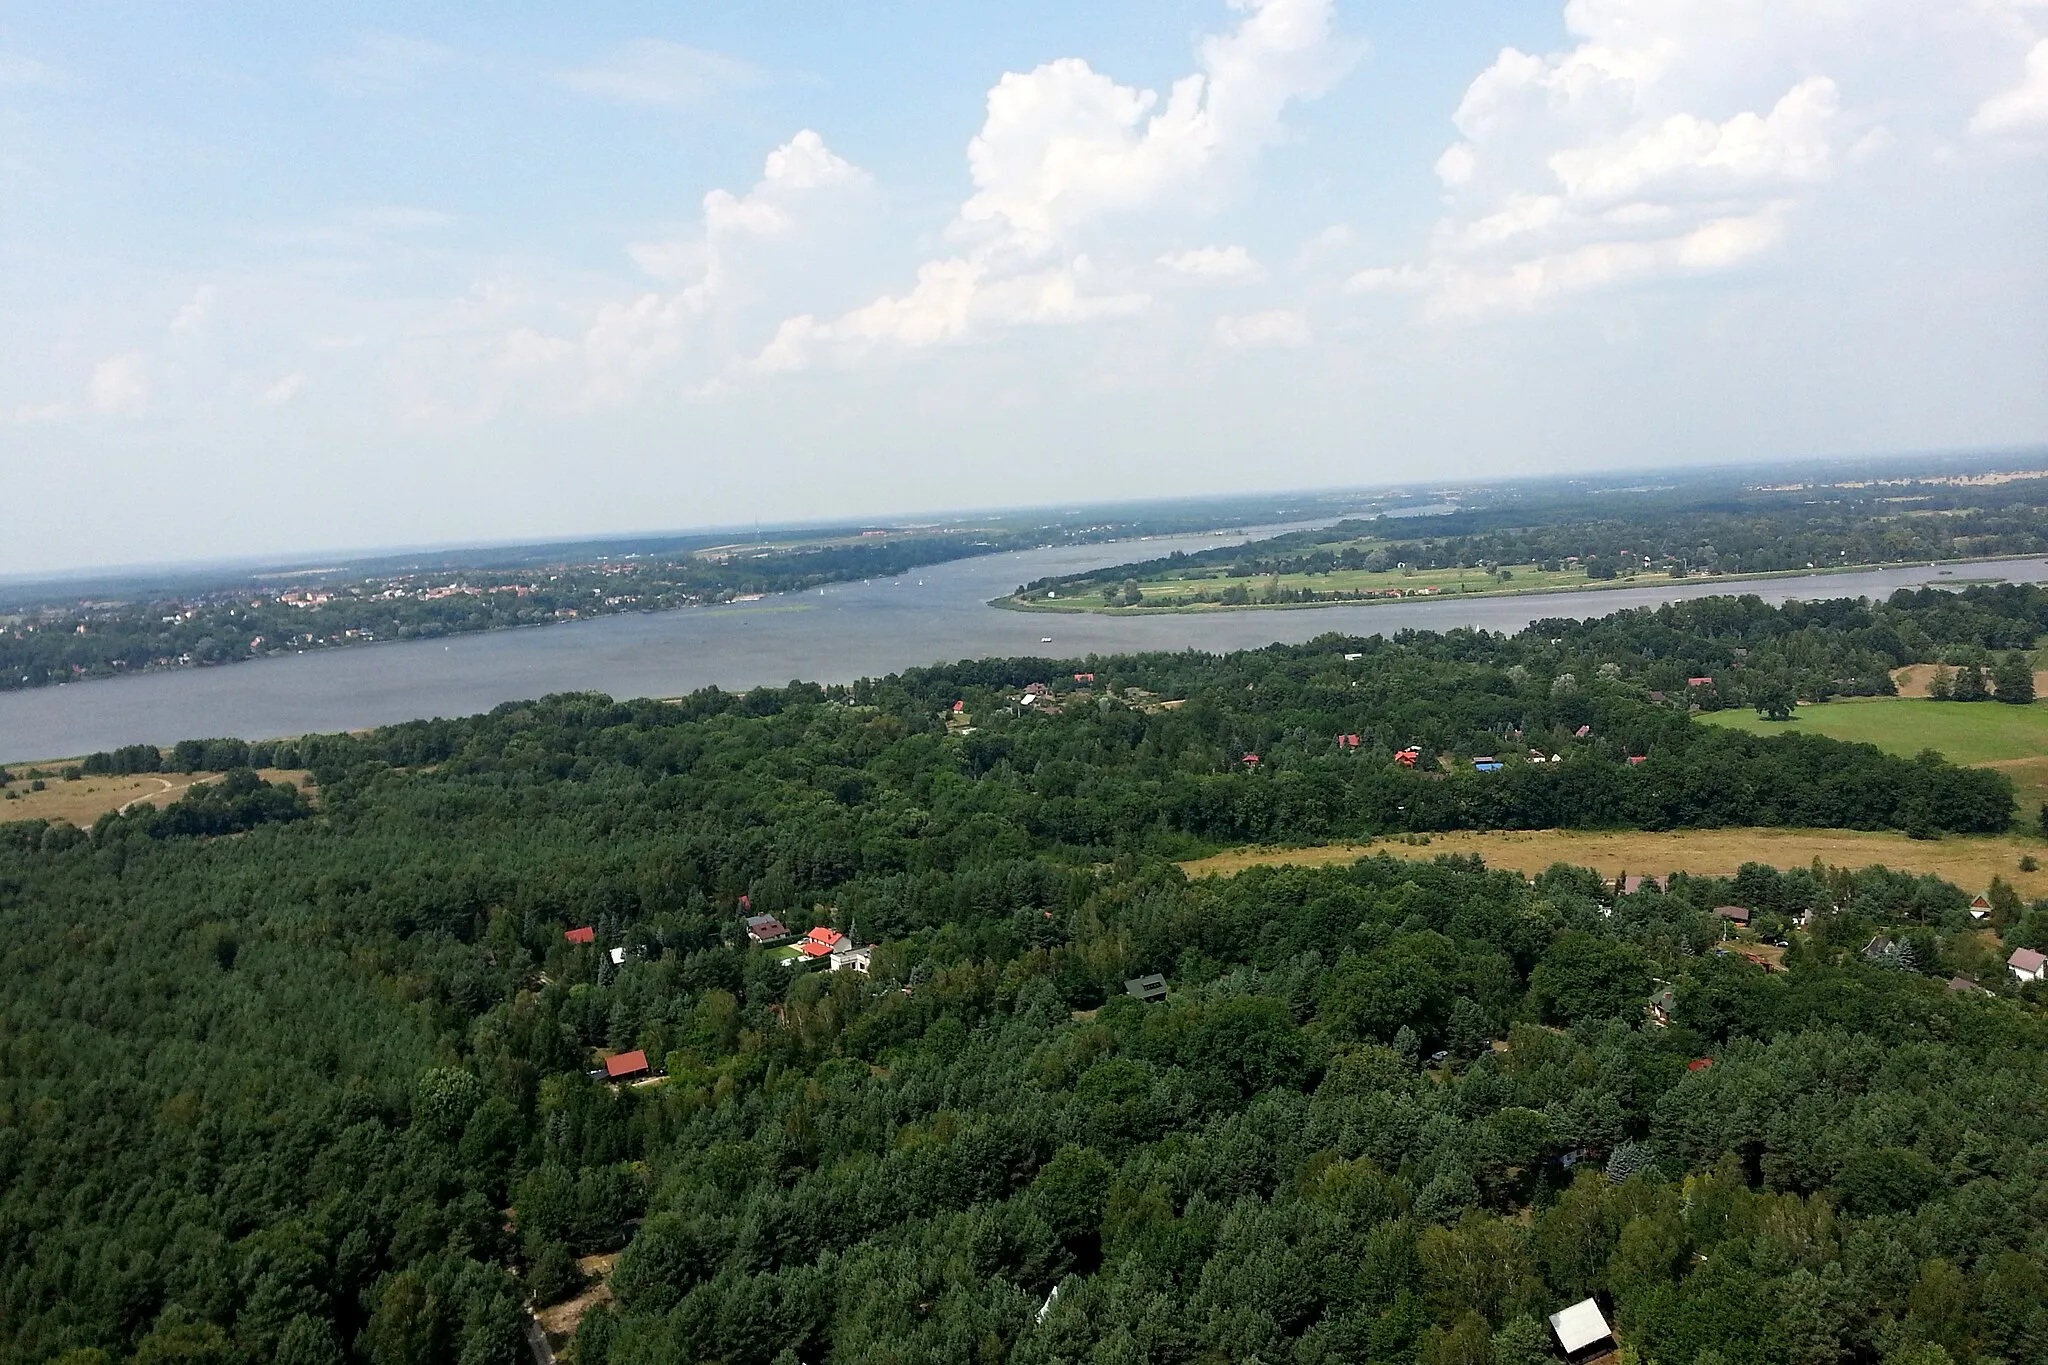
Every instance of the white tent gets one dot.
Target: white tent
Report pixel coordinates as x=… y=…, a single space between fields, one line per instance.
x=1579 y=1326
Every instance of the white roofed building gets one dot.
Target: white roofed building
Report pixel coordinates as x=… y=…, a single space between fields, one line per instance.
x=1583 y=1332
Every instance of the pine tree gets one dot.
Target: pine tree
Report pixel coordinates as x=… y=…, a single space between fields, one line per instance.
x=2014 y=678
x=1627 y=1159
x=1905 y=956
x=1942 y=686
x=1970 y=684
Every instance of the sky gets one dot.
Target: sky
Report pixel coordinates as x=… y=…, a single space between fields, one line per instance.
x=275 y=279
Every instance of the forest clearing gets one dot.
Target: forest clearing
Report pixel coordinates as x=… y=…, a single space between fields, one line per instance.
x=80 y=801
x=1968 y=861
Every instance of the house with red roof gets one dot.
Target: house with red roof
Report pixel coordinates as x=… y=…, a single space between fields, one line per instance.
x=820 y=942
x=2027 y=964
x=626 y=1065
x=586 y=934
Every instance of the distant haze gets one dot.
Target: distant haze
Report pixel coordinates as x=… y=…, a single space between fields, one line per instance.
x=276 y=279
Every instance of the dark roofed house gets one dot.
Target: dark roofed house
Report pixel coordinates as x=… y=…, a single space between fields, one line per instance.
x=1734 y=914
x=586 y=934
x=1964 y=986
x=626 y=1065
x=1150 y=988
x=1880 y=948
x=1635 y=882
x=1661 y=1006
x=765 y=929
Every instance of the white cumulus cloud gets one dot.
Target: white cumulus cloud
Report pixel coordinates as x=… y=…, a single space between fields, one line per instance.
x=282 y=390
x=1064 y=154
x=1283 y=327
x=745 y=251
x=2024 y=108
x=196 y=309
x=1217 y=264
x=1686 y=136
x=120 y=383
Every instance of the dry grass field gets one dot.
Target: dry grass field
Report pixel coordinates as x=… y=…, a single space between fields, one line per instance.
x=1968 y=862
x=88 y=798
x=1912 y=680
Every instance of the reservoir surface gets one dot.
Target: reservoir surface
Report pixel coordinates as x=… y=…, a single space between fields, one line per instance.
x=842 y=632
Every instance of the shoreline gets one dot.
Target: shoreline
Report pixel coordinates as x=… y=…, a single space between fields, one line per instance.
x=1010 y=603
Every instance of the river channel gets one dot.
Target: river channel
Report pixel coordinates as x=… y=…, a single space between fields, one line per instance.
x=839 y=633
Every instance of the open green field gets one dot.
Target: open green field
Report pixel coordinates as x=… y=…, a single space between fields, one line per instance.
x=2013 y=739
x=1966 y=732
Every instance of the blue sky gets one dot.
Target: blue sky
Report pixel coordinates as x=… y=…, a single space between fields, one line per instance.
x=277 y=279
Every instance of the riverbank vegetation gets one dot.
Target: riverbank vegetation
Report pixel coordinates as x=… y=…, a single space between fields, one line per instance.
x=293 y=1083
x=1561 y=541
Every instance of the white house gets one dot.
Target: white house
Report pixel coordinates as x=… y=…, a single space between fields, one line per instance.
x=2027 y=964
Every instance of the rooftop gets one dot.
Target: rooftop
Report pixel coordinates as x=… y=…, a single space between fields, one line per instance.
x=1579 y=1326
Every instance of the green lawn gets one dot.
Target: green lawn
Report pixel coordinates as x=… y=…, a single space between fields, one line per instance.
x=2013 y=739
x=1966 y=732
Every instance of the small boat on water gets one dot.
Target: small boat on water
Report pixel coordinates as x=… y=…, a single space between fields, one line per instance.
x=1045 y=639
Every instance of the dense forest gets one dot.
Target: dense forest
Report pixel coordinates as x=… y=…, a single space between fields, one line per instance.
x=311 y=1081
x=1617 y=534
